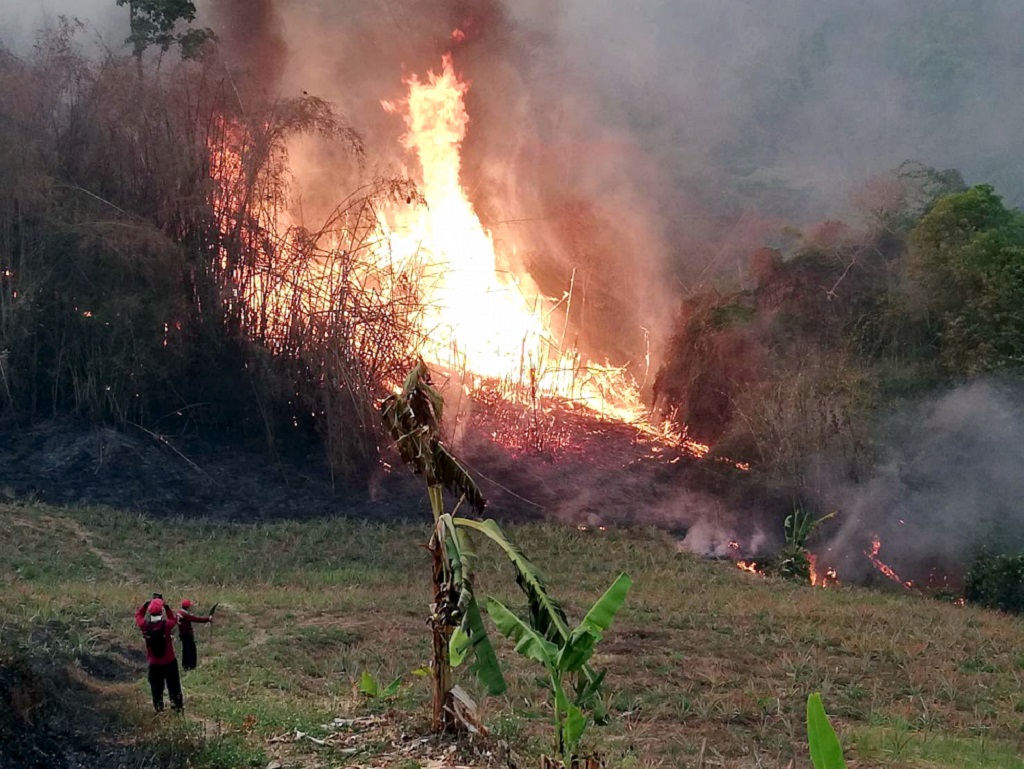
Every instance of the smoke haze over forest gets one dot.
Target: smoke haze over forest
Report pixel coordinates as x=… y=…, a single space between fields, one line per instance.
x=686 y=132
x=821 y=93
x=948 y=484
x=650 y=150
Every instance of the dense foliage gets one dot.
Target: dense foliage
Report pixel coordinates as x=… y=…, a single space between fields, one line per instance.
x=997 y=581
x=967 y=262
x=145 y=278
x=159 y=22
x=844 y=321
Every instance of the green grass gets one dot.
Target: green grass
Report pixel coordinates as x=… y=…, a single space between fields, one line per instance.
x=701 y=652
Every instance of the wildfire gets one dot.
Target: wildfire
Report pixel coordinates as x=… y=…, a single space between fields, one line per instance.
x=819 y=577
x=479 y=320
x=876 y=546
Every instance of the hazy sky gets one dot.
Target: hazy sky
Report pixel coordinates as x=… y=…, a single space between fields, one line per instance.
x=817 y=94
x=20 y=19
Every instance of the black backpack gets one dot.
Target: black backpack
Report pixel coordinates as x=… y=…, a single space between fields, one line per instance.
x=156 y=638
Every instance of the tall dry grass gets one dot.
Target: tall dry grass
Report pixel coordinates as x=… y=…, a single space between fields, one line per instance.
x=149 y=273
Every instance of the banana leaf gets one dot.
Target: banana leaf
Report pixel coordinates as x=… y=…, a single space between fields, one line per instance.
x=571 y=723
x=529 y=643
x=826 y=752
x=546 y=616
x=471 y=635
x=580 y=646
x=454 y=477
x=485 y=660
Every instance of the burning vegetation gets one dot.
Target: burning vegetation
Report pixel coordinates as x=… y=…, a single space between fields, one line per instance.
x=240 y=310
x=162 y=269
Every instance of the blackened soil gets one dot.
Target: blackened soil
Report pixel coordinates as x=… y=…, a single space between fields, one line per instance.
x=67 y=463
x=598 y=474
x=58 y=711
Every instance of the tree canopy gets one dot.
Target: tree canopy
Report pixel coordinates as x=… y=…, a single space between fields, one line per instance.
x=967 y=254
x=155 y=22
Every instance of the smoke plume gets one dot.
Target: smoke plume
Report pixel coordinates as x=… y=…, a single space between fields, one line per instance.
x=627 y=146
x=20 y=22
x=252 y=37
x=950 y=483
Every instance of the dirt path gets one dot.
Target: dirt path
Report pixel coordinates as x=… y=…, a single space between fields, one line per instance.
x=85 y=536
x=260 y=635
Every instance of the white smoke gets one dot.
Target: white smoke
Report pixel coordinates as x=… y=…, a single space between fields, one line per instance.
x=950 y=482
x=106 y=24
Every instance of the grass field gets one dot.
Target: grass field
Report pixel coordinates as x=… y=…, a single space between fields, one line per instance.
x=702 y=654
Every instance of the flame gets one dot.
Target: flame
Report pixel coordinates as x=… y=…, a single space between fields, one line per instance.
x=479 y=318
x=748 y=566
x=479 y=321
x=876 y=546
x=822 y=577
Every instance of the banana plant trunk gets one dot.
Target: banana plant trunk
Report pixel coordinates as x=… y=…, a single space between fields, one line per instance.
x=442 y=714
x=589 y=762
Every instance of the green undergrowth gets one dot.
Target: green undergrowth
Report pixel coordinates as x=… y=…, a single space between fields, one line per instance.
x=700 y=654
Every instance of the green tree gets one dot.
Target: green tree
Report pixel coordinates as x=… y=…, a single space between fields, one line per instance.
x=967 y=264
x=156 y=22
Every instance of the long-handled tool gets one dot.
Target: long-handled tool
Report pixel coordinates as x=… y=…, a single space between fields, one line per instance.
x=212 y=610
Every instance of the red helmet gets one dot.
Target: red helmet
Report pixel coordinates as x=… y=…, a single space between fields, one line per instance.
x=185 y=603
x=156 y=606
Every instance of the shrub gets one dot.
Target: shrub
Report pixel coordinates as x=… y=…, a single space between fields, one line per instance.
x=997 y=582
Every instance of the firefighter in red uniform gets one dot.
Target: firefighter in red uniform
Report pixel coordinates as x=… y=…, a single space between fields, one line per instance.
x=189 y=657
x=157 y=622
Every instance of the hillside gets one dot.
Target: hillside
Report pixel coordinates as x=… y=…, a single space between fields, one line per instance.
x=702 y=655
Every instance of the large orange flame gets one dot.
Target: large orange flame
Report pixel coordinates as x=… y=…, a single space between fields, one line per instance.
x=479 y=319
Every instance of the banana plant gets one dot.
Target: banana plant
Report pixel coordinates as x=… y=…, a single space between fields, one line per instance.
x=413 y=418
x=799 y=526
x=794 y=561
x=563 y=660
x=546 y=615
x=826 y=752
x=372 y=688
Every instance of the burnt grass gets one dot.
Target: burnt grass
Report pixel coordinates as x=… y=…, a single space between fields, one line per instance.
x=61 y=707
x=585 y=472
x=66 y=462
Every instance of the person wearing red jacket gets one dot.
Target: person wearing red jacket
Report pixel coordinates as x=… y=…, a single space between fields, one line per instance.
x=157 y=623
x=189 y=656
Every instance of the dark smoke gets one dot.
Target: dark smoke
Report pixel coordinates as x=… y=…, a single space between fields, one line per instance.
x=951 y=482
x=252 y=38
